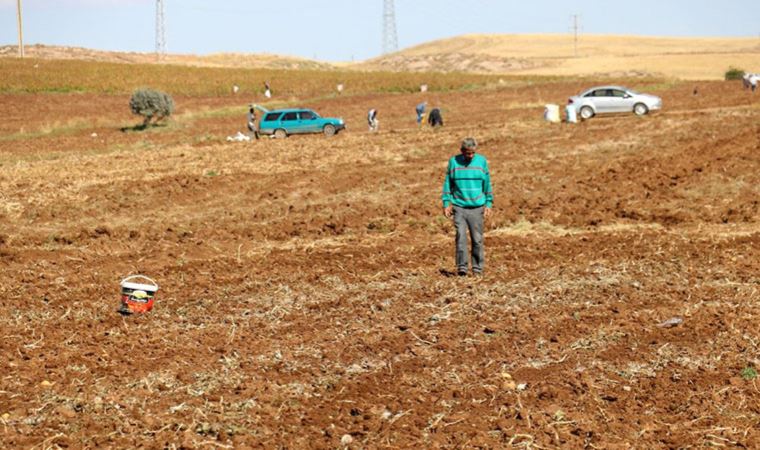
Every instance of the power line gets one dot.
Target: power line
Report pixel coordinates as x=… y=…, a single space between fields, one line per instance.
x=390 y=38
x=160 y=30
x=20 y=32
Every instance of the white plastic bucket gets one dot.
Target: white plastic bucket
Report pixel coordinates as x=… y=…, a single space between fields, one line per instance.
x=551 y=113
x=137 y=297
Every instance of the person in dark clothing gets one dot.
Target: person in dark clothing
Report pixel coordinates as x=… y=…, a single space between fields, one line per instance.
x=434 y=118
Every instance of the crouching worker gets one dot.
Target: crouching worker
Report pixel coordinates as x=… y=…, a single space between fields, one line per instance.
x=372 y=120
x=420 y=110
x=435 y=119
x=468 y=198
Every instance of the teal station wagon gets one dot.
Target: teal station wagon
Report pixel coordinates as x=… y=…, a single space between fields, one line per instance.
x=284 y=122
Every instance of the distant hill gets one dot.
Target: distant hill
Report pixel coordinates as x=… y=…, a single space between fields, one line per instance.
x=545 y=54
x=256 y=61
x=523 y=54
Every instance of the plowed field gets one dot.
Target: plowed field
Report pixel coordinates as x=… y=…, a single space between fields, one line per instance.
x=305 y=299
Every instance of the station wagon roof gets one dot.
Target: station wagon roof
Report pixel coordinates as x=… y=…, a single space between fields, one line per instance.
x=287 y=110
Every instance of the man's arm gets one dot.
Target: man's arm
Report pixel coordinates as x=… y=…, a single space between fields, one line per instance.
x=446 y=194
x=488 y=189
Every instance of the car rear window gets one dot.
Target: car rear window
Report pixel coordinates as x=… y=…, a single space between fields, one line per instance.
x=272 y=116
x=290 y=116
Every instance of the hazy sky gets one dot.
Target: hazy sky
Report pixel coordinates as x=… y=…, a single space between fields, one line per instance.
x=341 y=30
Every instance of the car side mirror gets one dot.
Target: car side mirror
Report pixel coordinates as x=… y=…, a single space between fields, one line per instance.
x=627 y=96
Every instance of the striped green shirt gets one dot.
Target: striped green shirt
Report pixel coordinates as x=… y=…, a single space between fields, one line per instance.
x=467 y=185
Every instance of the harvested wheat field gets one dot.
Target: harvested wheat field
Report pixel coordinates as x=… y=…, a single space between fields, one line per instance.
x=305 y=293
x=557 y=55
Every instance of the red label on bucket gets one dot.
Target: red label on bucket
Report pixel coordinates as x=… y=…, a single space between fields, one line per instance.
x=134 y=304
x=135 y=297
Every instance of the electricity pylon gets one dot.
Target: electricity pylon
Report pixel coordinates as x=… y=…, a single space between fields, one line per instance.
x=390 y=39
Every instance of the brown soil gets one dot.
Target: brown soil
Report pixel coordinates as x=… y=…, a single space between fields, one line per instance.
x=304 y=296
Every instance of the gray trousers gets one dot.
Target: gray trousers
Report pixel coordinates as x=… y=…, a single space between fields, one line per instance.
x=469 y=219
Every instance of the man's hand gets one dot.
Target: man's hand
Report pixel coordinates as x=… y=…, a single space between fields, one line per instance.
x=487 y=212
x=448 y=211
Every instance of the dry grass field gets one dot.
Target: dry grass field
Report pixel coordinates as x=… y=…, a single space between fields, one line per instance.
x=230 y=60
x=598 y=55
x=692 y=58
x=304 y=296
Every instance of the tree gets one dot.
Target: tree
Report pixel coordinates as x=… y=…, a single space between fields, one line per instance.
x=152 y=105
x=734 y=74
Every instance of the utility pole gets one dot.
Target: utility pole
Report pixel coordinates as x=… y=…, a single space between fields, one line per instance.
x=160 y=30
x=576 y=27
x=20 y=32
x=390 y=38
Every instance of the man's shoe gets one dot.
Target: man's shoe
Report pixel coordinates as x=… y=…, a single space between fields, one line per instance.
x=462 y=273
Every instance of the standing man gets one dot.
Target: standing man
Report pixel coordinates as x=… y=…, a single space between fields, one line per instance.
x=253 y=127
x=468 y=197
x=753 y=78
x=267 y=90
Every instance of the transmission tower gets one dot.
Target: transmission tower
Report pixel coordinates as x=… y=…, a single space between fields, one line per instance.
x=576 y=28
x=390 y=39
x=160 y=30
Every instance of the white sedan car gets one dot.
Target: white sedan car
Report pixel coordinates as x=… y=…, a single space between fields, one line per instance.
x=613 y=99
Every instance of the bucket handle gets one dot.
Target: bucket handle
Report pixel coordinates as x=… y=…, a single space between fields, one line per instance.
x=131 y=277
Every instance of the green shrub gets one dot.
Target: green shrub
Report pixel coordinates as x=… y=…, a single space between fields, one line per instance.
x=734 y=74
x=151 y=105
x=749 y=373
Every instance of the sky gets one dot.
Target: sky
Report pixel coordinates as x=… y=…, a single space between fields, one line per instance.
x=348 y=30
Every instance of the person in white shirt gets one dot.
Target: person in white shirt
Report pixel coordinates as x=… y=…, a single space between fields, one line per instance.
x=372 y=120
x=753 y=78
x=267 y=90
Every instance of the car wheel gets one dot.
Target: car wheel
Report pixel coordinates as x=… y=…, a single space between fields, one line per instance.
x=280 y=133
x=329 y=130
x=587 y=112
x=640 y=109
